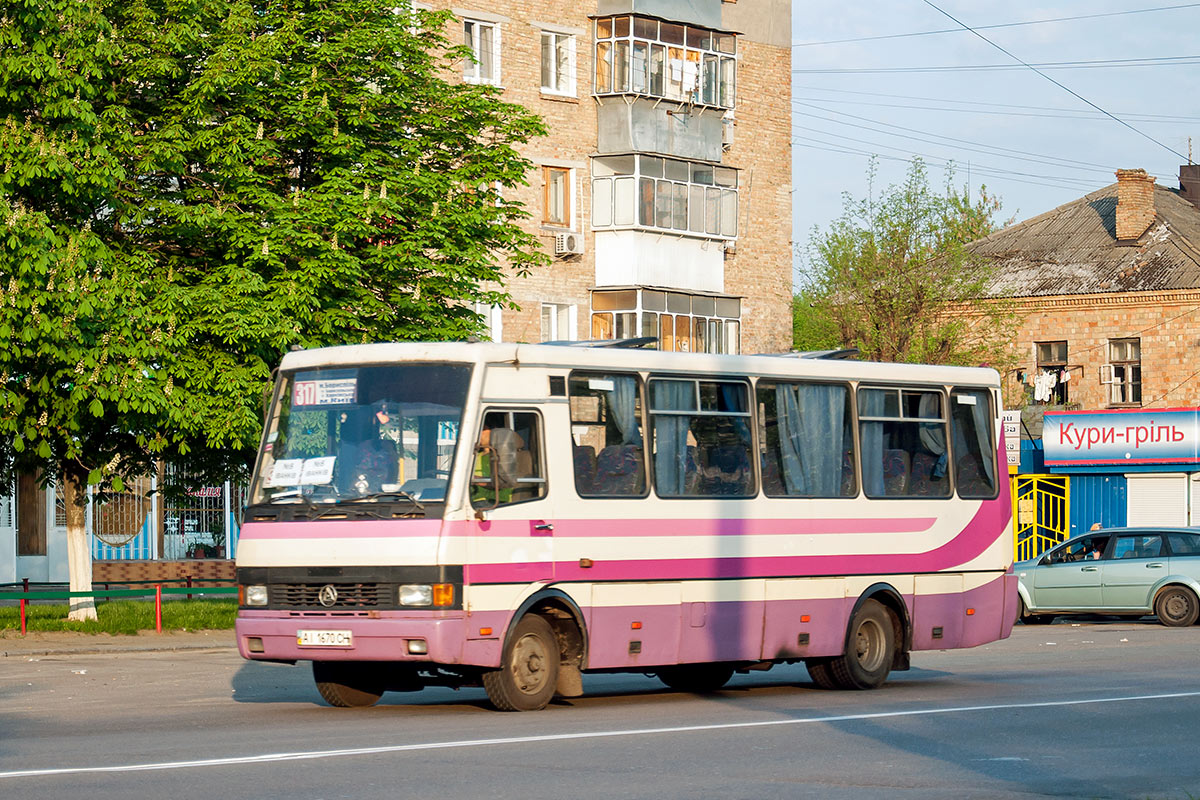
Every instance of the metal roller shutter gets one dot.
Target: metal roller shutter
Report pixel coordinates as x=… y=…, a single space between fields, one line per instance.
x=1157 y=499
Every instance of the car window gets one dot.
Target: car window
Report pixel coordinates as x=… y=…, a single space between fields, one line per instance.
x=1184 y=544
x=1139 y=546
x=1087 y=548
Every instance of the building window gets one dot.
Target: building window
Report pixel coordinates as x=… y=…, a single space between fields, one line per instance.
x=639 y=55
x=557 y=188
x=641 y=191
x=558 y=63
x=483 y=38
x=1125 y=363
x=1050 y=382
x=679 y=321
x=558 y=322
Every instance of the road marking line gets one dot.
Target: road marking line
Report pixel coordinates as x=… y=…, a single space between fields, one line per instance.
x=269 y=758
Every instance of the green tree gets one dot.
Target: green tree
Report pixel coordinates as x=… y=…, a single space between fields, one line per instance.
x=893 y=277
x=191 y=187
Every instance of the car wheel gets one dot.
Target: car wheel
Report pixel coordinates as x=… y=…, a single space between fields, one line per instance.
x=1028 y=618
x=1176 y=607
x=696 y=678
x=528 y=670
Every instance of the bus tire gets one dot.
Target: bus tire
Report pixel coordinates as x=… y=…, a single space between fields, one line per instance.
x=696 y=678
x=870 y=649
x=820 y=672
x=347 y=684
x=1176 y=607
x=528 y=668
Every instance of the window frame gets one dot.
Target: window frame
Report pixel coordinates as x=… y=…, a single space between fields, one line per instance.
x=1121 y=393
x=472 y=69
x=566 y=200
x=723 y=331
x=651 y=433
x=851 y=407
x=993 y=440
x=557 y=39
x=642 y=387
x=556 y=334
x=1059 y=394
x=705 y=204
x=693 y=47
x=539 y=454
x=901 y=417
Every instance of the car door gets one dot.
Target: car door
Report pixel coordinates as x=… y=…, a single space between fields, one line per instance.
x=1068 y=578
x=1135 y=564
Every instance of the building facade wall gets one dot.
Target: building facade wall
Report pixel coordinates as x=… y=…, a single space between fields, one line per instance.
x=756 y=266
x=1166 y=324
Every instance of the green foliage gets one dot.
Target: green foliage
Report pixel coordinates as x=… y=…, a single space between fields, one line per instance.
x=191 y=187
x=893 y=277
x=126 y=616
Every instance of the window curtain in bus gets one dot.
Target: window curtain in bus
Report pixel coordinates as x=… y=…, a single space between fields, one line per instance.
x=622 y=402
x=671 y=435
x=979 y=415
x=812 y=444
x=871 y=404
x=933 y=435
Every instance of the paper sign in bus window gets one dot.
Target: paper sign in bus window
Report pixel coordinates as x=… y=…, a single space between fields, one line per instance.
x=287 y=472
x=317 y=471
x=325 y=392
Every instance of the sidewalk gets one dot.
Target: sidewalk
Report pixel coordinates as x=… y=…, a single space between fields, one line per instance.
x=56 y=643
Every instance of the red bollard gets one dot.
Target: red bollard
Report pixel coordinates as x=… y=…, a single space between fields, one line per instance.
x=24 y=584
x=158 y=607
x=22 y=616
x=189 y=585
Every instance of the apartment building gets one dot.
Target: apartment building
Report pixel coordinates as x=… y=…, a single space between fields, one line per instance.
x=663 y=190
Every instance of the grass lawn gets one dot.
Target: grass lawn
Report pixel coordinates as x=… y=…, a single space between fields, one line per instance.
x=126 y=616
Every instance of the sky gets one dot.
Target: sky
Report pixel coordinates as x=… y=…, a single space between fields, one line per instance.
x=1034 y=144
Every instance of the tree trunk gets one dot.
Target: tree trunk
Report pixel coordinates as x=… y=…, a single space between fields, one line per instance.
x=79 y=554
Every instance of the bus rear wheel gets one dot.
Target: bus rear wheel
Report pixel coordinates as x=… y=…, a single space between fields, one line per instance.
x=696 y=678
x=870 y=650
x=345 y=684
x=528 y=670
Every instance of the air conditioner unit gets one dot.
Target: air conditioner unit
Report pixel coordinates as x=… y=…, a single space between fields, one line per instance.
x=566 y=244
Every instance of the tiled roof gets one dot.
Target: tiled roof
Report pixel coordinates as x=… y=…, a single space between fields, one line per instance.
x=1073 y=249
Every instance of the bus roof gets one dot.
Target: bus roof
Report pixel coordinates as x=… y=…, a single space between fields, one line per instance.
x=783 y=365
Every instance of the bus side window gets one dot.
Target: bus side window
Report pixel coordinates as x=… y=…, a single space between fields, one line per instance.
x=807 y=443
x=903 y=442
x=971 y=418
x=508 y=460
x=606 y=428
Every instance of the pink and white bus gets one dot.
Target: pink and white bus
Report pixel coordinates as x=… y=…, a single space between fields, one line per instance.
x=514 y=516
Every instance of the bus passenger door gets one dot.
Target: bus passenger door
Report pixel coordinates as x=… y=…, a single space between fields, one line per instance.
x=514 y=519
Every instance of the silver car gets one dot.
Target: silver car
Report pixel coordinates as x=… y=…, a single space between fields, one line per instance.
x=1128 y=571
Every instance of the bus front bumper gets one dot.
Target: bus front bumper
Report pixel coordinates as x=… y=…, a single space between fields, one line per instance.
x=431 y=637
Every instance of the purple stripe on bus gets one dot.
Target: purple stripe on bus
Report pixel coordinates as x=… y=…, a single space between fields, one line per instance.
x=979 y=534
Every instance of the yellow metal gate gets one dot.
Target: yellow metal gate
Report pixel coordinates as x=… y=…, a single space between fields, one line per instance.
x=1042 y=517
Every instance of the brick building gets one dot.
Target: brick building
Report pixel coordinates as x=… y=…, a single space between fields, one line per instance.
x=1108 y=291
x=663 y=187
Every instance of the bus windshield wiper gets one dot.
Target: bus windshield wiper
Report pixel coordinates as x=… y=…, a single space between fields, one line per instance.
x=395 y=493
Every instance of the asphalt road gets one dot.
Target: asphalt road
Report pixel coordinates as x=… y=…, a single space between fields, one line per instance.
x=1091 y=710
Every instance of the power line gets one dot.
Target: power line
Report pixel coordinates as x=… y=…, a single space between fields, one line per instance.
x=1000 y=25
x=1155 y=119
x=1056 y=83
x=894 y=96
x=1105 y=63
x=1034 y=179
x=1023 y=155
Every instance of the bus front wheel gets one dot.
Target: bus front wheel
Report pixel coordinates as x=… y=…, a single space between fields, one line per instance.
x=528 y=670
x=870 y=649
x=346 y=684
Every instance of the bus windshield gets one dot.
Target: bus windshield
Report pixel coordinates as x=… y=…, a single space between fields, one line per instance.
x=361 y=434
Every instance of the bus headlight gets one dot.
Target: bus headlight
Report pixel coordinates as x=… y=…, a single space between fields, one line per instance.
x=416 y=594
x=256 y=595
